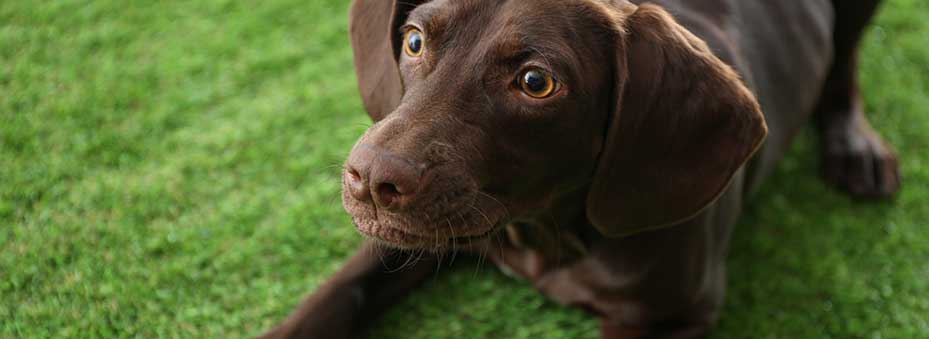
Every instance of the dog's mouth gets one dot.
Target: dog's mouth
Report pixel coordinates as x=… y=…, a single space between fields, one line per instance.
x=420 y=230
x=403 y=239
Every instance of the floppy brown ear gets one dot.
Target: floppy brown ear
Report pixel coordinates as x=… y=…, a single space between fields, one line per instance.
x=684 y=123
x=373 y=25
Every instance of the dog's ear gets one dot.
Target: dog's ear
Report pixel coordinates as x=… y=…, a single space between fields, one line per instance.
x=683 y=124
x=374 y=25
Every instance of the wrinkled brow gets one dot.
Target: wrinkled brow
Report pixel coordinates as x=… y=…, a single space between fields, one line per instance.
x=440 y=17
x=431 y=17
x=516 y=48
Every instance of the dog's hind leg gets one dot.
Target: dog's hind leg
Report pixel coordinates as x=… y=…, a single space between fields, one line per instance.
x=855 y=158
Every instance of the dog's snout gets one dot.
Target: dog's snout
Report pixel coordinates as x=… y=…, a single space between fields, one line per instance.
x=382 y=177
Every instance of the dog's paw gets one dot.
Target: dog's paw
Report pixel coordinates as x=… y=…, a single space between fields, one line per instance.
x=858 y=161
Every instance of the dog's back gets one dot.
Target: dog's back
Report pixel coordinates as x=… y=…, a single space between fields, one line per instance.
x=782 y=51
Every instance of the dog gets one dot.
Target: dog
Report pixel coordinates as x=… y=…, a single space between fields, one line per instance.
x=600 y=149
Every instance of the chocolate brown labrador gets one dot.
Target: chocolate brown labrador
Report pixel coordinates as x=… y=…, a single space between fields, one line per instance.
x=602 y=150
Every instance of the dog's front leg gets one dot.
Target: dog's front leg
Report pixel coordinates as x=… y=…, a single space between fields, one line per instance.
x=372 y=280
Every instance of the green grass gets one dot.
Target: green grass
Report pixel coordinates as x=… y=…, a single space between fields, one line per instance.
x=170 y=169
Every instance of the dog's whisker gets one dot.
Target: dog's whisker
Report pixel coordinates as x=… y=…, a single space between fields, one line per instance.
x=409 y=257
x=489 y=223
x=506 y=211
x=454 y=240
x=402 y=265
x=380 y=256
x=464 y=222
x=482 y=256
x=438 y=262
x=436 y=229
x=470 y=244
x=422 y=253
x=414 y=255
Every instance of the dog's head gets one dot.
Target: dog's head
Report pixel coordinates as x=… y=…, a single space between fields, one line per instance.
x=491 y=110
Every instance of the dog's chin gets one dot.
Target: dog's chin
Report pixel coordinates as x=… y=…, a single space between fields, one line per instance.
x=396 y=234
x=457 y=230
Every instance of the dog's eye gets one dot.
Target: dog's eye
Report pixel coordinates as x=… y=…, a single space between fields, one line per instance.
x=537 y=83
x=413 y=42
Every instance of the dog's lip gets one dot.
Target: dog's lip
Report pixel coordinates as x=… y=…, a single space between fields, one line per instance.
x=406 y=230
x=388 y=233
x=406 y=239
x=486 y=234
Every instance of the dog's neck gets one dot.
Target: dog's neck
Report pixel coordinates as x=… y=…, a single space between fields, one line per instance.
x=560 y=230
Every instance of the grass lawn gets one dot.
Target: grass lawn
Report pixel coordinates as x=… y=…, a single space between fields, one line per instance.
x=171 y=169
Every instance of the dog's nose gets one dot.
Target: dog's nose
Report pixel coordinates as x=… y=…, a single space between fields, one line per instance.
x=356 y=185
x=388 y=179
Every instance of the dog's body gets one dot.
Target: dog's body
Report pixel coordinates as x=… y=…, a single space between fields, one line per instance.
x=648 y=263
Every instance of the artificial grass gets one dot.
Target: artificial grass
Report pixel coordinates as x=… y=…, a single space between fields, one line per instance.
x=171 y=169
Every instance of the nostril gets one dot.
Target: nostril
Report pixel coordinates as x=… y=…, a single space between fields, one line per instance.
x=356 y=185
x=392 y=180
x=353 y=174
x=388 y=193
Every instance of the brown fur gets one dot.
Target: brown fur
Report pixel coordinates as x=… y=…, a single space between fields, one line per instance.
x=656 y=123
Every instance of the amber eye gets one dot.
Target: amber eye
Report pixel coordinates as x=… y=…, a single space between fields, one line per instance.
x=537 y=84
x=413 y=42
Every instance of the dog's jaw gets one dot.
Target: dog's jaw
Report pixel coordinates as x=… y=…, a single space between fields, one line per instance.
x=471 y=218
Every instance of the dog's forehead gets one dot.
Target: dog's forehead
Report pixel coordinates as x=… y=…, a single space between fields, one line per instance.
x=439 y=14
x=444 y=18
x=503 y=25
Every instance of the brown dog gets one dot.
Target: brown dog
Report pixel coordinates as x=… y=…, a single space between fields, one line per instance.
x=607 y=144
